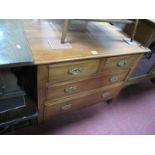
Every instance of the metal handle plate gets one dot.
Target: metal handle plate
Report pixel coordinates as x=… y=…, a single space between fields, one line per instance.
x=66 y=107
x=122 y=63
x=74 y=71
x=70 y=89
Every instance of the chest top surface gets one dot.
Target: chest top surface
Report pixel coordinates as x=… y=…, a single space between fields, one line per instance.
x=83 y=41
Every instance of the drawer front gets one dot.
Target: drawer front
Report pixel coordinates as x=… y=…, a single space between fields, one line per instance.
x=68 y=71
x=53 y=109
x=75 y=104
x=61 y=90
x=116 y=77
x=109 y=93
x=120 y=63
x=69 y=89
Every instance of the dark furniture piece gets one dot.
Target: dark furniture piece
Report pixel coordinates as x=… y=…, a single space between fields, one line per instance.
x=15 y=108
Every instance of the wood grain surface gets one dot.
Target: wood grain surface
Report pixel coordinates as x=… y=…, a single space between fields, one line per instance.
x=97 y=40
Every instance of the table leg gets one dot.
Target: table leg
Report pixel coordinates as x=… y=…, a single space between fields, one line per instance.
x=65 y=29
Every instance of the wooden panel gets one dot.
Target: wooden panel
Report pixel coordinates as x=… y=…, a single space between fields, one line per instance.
x=42 y=75
x=139 y=57
x=54 y=108
x=120 y=63
x=68 y=71
x=71 y=87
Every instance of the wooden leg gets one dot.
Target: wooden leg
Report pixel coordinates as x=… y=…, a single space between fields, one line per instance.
x=109 y=101
x=65 y=29
x=134 y=30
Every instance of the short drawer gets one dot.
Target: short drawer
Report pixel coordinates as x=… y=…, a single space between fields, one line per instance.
x=120 y=63
x=60 y=107
x=72 y=70
x=61 y=90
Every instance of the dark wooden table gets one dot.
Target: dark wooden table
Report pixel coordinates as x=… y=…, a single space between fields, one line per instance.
x=14 y=51
x=14 y=48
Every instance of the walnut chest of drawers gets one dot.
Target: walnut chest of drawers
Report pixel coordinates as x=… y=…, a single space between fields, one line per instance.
x=64 y=87
x=92 y=69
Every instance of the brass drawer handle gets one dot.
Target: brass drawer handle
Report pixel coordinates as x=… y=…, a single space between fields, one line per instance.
x=106 y=94
x=66 y=107
x=122 y=63
x=114 y=79
x=74 y=71
x=70 y=89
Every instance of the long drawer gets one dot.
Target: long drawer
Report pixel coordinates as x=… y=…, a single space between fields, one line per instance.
x=62 y=106
x=69 y=88
x=68 y=71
